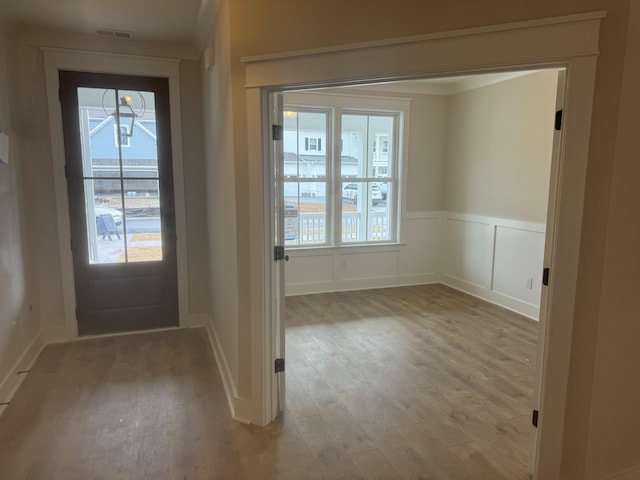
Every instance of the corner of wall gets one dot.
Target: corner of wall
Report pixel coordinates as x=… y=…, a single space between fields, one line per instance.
x=20 y=368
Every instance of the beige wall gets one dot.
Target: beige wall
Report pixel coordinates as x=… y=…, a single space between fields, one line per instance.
x=425 y=169
x=220 y=184
x=498 y=153
x=194 y=185
x=19 y=323
x=616 y=382
x=258 y=28
x=31 y=123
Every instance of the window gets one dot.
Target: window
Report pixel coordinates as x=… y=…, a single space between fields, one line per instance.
x=313 y=144
x=368 y=203
x=124 y=139
x=381 y=145
x=345 y=200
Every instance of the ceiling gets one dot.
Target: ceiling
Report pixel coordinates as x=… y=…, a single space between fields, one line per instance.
x=155 y=20
x=177 y=21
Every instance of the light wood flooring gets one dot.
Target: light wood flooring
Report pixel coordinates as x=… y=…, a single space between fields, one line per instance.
x=409 y=383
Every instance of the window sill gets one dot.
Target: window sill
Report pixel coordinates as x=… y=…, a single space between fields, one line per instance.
x=330 y=249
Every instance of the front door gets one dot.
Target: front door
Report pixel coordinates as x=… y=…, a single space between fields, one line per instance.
x=117 y=142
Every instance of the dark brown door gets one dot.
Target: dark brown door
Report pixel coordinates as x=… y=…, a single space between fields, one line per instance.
x=117 y=141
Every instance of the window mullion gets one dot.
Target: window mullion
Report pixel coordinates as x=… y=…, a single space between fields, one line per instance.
x=336 y=176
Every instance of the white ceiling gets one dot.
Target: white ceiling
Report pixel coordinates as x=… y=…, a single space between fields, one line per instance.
x=155 y=20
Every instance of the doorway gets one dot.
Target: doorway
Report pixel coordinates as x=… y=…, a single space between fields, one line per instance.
x=117 y=142
x=540 y=82
x=570 y=42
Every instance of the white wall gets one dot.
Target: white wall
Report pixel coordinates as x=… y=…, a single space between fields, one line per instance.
x=492 y=258
x=476 y=198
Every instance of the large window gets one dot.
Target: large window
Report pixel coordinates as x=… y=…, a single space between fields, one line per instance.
x=340 y=176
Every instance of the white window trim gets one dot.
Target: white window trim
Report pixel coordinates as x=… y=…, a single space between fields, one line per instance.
x=341 y=103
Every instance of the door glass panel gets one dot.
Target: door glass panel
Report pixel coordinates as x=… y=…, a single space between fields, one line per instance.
x=142 y=219
x=103 y=204
x=120 y=175
x=138 y=134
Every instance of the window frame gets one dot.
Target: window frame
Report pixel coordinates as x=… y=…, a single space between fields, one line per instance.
x=339 y=104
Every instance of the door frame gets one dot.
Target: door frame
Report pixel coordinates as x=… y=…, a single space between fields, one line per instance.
x=130 y=318
x=56 y=59
x=569 y=42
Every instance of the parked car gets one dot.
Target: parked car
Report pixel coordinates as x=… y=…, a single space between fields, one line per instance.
x=350 y=192
x=384 y=188
x=102 y=210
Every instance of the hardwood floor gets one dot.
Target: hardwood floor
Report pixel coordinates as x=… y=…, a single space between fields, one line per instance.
x=415 y=382
x=411 y=382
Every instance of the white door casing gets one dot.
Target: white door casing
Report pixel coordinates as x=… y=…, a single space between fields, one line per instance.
x=569 y=42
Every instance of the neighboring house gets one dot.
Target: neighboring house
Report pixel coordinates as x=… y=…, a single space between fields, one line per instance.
x=139 y=156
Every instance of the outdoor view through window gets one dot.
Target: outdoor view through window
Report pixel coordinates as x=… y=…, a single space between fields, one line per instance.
x=120 y=174
x=333 y=199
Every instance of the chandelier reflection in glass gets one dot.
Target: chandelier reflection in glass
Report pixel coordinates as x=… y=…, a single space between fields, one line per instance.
x=125 y=114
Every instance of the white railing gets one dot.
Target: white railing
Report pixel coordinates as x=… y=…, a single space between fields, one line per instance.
x=313 y=229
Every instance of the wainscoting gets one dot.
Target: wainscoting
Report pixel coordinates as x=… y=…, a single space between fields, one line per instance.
x=496 y=259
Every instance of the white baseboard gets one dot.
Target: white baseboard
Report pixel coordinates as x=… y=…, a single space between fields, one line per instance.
x=223 y=368
x=361 y=284
x=483 y=293
x=13 y=379
x=632 y=474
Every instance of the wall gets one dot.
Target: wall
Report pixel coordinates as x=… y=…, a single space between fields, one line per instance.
x=19 y=322
x=496 y=177
x=195 y=194
x=616 y=383
x=257 y=28
x=220 y=185
x=498 y=151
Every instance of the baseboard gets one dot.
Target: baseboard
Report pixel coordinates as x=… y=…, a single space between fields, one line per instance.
x=465 y=285
x=13 y=379
x=361 y=284
x=513 y=304
x=223 y=368
x=631 y=474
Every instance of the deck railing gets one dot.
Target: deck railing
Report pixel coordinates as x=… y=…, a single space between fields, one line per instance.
x=313 y=229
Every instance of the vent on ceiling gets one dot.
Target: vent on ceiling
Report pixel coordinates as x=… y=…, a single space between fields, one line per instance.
x=115 y=34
